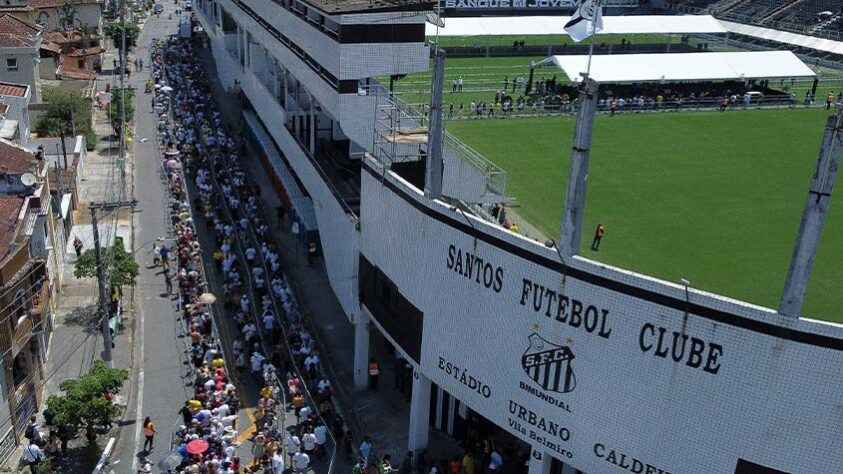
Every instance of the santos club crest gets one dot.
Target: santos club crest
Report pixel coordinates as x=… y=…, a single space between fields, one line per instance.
x=549 y=365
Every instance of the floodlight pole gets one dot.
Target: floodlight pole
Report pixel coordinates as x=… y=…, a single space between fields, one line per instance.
x=813 y=217
x=569 y=241
x=435 y=133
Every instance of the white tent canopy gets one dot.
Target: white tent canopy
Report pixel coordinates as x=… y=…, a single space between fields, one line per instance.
x=806 y=41
x=552 y=25
x=682 y=67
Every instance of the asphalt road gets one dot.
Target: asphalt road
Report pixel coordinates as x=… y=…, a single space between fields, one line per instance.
x=159 y=388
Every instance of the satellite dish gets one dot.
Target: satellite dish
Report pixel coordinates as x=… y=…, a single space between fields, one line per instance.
x=28 y=179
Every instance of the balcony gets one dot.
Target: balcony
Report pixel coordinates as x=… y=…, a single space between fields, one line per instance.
x=41 y=309
x=15 y=335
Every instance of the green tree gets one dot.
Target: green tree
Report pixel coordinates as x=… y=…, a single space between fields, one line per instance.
x=115 y=30
x=85 y=400
x=114 y=108
x=67 y=112
x=120 y=264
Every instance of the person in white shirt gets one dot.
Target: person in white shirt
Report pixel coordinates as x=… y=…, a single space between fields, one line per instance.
x=278 y=462
x=309 y=441
x=304 y=413
x=311 y=362
x=257 y=364
x=496 y=461
x=33 y=455
x=269 y=322
x=321 y=432
x=292 y=443
x=324 y=384
x=249 y=331
x=301 y=461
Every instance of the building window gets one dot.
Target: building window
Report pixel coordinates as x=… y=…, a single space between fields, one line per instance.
x=43 y=19
x=11 y=64
x=20 y=369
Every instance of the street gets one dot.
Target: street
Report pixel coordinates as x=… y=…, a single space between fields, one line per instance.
x=158 y=379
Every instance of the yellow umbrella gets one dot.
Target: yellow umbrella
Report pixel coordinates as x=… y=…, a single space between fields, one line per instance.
x=207 y=298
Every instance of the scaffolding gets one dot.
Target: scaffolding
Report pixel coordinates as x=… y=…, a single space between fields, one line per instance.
x=401 y=134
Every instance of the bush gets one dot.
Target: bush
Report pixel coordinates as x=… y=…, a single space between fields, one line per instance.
x=90 y=140
x=47 y=126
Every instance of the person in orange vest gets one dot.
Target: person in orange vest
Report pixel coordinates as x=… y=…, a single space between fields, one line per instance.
x=374 y=373
x=613 y=107
x=829 y=99
x=598 y=236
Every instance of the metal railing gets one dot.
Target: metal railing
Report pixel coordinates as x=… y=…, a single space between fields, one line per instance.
x=394 y=115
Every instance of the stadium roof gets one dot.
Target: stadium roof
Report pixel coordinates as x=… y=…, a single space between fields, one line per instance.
x=795 y=39
x=682 y=67
x=552 y=25
x=332 y=7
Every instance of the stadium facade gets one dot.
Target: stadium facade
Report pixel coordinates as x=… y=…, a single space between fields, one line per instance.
x=597 y=368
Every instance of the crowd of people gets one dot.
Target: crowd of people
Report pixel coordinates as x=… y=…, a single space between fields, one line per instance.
x=546 y=95
x=274 y=348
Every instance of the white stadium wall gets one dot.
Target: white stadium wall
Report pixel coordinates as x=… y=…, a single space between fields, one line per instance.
x=338 y=236
x=606 y=370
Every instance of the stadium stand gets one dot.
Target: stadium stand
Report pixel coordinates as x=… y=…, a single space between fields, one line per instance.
x=814 y=17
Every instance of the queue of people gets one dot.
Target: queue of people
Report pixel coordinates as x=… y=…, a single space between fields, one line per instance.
x=295 y=419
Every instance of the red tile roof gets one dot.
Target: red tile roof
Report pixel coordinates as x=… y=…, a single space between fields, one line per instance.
x=59 y=3
x=12 y=90
x=9 y=210
x=50 y=46
x=72 y=36
x=26 y=8
x=15 y=41
x=66 y=72
x=14 y=159
x=78 y=52
x=16 y=26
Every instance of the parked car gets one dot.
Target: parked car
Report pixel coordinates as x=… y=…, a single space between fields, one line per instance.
x=158 y=8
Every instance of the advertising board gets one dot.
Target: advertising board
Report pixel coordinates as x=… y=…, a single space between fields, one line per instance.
x=603 y=369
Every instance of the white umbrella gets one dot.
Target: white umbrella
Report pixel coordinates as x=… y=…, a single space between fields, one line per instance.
x=167 y=89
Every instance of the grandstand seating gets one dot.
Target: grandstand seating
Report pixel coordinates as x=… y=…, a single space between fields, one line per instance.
x=805 y=12
x=793 y=15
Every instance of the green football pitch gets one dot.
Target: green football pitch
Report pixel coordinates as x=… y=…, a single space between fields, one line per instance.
x=712 y=197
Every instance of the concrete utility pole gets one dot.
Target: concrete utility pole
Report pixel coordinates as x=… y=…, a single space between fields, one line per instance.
x=435 y=132
x=569 y=240
x=105 y=299
x=121 y=160
x=813 y=217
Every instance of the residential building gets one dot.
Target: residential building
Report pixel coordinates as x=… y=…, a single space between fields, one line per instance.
x=77 y=50
x=26 y=288
x=20 y=45
x=14 y=102
x=66 y=14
